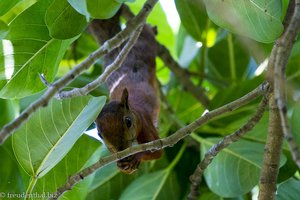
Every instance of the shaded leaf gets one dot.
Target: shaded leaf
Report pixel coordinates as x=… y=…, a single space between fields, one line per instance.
x=63 y=21
x=10 y=177
x=155 y=184
x=28 y=51
x=289 y=189
x=83 y=153
x=193 y=17
x=235 y=170
x=295 y=125
x=9 y=110
x=52 y=131
x=99 y=9
x=259 y=20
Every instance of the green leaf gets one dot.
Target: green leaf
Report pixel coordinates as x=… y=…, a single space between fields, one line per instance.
x=235 y=170
x=3 y=29
x=295 y=125
x=99 y=9
x=193 y=17
x=6 y=5
x=289 y=189
x=52 y=131
x=63 y=21
x=28 y=51
x=259 y=20
x=10 y=177
x=159 y=185
x=9 y=110
x=83 y=153
x=232 y=63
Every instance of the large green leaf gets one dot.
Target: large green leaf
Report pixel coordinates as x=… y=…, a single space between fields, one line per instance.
x=63 y=21
x=232 y=63
x=289 y=189
x=52 y=131
x=9 y=110
x=10 y=177
x=193 y=17
x=100 y=9
x=83 y=153
x=235 y=170
x=6 y=5
x=158 y=185
x=28 y=51
x=259 y=20
x=3 y=29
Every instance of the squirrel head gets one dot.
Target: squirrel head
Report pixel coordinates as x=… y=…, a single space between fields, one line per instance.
x=117 y=124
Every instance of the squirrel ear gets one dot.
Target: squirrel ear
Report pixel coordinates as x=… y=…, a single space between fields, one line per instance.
x=124 y=98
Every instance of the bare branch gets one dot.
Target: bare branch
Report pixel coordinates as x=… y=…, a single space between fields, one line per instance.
x=111 y=44
x=182 y=75
x=283 y=52
x=108 y=70
x=217 y=148
x=162 y=143
x=277 y=118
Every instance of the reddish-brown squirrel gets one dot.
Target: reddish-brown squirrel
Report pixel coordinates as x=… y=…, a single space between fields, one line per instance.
x=132 y=113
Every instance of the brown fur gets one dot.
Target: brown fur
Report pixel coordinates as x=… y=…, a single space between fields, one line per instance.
x=135 y=96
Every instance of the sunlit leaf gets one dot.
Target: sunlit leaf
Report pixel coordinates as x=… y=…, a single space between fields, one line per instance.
x=28 y=52
x=6 y=5
x=259 y=20
x=52 y=131
x=3 y=29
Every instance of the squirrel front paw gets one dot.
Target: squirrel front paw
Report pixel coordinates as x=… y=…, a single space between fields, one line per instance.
x=129 y=164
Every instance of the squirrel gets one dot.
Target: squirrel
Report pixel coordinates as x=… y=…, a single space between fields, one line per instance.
x=132 y=113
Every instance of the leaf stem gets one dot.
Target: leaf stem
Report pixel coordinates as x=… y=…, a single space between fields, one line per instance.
x=30 y=187
x=231 y=57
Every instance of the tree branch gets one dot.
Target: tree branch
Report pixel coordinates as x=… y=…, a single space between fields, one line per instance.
x=283 y=53
x=217 y=148
x=276 y=67
x=109 y=45
x=161 y=143
x=182 y=76
x=108 y=70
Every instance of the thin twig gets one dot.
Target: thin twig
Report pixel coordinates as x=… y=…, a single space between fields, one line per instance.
x=161 y=143
x=217 y=148
x=182 y=75
x=109 y=45
x=277 y=115
x=108 y=70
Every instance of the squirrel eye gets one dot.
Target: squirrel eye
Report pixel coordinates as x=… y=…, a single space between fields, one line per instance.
x=128 y=122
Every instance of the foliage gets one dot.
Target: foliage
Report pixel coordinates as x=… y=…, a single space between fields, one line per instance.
x=220 y=54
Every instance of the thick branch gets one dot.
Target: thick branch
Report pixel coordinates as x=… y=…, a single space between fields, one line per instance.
x=162 y=143
x=283 y=52
x=217 y=148
x=108 y=70
x=111 y=44
x=182 y=76
x=276 y=67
